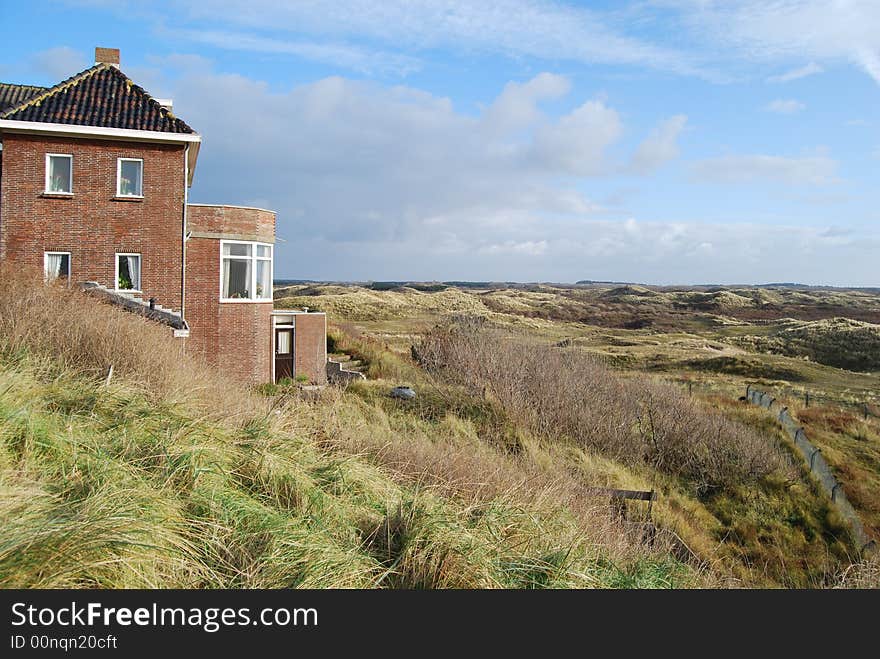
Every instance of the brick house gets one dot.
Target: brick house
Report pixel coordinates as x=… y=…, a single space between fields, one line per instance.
x=94 y=177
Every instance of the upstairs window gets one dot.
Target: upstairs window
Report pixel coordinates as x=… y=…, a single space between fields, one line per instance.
x=56 y=265
x=128 y=272
x=59 y=173
x=129 y=177
x=245 y=271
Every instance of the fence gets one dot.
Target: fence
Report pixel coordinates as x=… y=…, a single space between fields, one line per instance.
x=866 y=409
x=818 y=467
x=863 y=408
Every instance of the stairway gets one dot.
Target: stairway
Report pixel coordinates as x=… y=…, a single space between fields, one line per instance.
x=347 y=361
x=135 y=304
x=341 y=368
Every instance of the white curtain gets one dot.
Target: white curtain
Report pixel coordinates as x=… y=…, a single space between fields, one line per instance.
x=227 y=266
x=134 y=271
x=53 y=265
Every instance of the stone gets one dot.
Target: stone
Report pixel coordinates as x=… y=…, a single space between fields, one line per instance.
x=405 y=393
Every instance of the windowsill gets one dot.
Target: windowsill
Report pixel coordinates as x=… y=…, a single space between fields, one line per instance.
x=128 y=290
x=239 y=300
x=128 y=197
x=57 y=195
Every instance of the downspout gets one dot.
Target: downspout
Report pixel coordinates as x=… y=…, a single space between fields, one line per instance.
x=183 y=234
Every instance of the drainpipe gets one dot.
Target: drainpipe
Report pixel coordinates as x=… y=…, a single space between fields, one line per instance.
x=183 y=233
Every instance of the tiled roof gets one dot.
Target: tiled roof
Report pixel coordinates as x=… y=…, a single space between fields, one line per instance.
x=12 y=95
x=101 y=96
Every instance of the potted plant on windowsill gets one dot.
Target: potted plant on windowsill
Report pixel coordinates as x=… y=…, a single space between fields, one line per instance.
x=57 y=184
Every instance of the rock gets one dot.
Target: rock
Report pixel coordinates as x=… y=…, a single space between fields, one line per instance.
x=405 y=393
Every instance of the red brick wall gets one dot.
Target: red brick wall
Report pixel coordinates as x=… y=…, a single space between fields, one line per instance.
x=236 y=337
x=92 y=225
x=310 y=345
x=232 y=220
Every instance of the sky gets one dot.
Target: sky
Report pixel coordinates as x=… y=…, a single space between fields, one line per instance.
x=655 y=141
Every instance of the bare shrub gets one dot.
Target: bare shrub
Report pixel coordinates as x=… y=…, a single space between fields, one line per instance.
x=864 y=574
x=568 y=395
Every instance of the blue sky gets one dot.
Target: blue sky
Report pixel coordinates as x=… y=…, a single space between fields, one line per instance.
x=661 y=141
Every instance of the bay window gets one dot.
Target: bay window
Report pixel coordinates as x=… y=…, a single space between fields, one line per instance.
x=245 y=271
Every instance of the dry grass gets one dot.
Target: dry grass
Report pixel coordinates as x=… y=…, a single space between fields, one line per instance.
x=865 y=574
x=78 y=334
x=151 y=482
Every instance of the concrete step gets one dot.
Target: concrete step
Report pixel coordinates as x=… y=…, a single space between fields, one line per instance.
x=133 y=302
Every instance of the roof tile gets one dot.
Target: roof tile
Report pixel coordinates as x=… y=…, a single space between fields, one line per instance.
x=12 y=95
x=101 y=96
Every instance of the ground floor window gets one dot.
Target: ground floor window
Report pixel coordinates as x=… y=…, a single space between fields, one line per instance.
x=56 y=265
x=128 y=272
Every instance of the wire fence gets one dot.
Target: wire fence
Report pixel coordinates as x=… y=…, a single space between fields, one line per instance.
x=817 y=465
x=867 y=409
x=863 y=408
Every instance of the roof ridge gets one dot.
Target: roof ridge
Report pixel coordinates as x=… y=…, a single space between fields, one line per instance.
x=15 y=84
x=51 y=91
x=159 y=107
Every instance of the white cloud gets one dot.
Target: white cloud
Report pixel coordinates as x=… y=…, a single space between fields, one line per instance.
x=362 y=161
x=808 y=170
x=656 y=252
x=785 y=106
x=355 y=58
x=660 y=147
x=526 y=248
x=517 y=28
x=390 y=182
x=392 y=36
x=796 y=74
x=59 y=63
x=517 y=106
x=841 y=30
x=576 y=143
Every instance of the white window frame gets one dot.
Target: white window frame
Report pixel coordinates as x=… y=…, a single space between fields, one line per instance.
x=140 y=273
x=119 y=193
x=48 y=187
x=46 y=265
x=253 y=258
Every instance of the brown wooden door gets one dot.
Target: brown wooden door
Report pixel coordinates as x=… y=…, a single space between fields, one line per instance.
x=283 y=353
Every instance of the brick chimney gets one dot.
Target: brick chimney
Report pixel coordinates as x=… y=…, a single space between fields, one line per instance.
x=107 y=56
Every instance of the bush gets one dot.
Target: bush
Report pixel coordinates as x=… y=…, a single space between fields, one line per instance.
x=568 y=395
